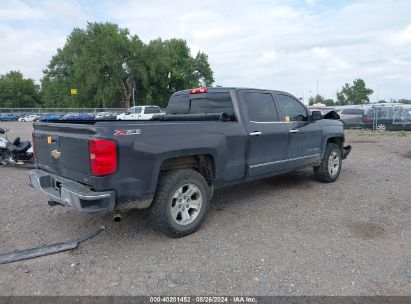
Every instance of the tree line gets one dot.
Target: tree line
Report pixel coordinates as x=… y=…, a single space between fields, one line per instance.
x=106 y=66
x=356 y=93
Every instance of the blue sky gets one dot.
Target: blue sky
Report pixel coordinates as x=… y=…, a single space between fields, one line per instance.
x=285 y=45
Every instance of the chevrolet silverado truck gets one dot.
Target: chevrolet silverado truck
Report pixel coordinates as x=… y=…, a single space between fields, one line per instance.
x=208 y=138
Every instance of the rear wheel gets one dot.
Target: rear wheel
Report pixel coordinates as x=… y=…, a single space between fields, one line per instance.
x=180 y=203
x=329 y=169
x=381 y=127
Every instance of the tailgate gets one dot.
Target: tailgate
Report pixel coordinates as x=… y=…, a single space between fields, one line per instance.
x=63 y=150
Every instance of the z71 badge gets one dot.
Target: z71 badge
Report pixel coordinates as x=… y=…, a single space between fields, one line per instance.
x=127 y=132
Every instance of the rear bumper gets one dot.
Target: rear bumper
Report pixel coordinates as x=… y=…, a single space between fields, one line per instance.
x=70 y=193
x=346 y=151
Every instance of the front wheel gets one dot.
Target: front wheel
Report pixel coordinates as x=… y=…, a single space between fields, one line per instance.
x=330 y=168
x=180 y=203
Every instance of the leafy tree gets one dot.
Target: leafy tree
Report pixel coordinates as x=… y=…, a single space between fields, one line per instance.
x=18 y=92
x=98 y=62
x=406 y=101
x=170 y=68
x=311 y=101
x=357 y=93
x=329 y=102
x=317 y=99
x=106 y=63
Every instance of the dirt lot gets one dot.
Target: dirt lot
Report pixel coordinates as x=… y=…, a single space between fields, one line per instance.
x=288 y=235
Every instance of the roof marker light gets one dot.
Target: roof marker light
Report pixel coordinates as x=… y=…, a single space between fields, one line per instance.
x=198 y=90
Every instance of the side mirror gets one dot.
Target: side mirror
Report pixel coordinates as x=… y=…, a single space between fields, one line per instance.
x=127 y=113
x=316 y=115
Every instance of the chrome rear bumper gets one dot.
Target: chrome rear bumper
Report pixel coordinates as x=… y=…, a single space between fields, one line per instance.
x=67 y=192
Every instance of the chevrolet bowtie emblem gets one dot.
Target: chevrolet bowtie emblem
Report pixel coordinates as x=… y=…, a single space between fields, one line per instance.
x=56 y=154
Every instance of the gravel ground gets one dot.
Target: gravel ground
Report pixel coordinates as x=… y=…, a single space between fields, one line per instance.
x=287 y=235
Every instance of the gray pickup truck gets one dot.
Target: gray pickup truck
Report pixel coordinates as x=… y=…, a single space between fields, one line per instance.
x=208 y=138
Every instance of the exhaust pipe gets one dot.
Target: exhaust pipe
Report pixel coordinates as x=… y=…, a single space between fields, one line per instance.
x=117 y=217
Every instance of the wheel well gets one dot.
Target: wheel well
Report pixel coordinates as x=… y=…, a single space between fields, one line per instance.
x=204 y=164
x=336 y=140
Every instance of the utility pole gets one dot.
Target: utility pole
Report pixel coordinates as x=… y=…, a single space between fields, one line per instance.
x=134 y=101
x=134 y=89
x=317 y=87
x=378 y=93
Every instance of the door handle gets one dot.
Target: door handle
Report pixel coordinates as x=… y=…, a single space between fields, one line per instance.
x=256 y=133
x=294 y=131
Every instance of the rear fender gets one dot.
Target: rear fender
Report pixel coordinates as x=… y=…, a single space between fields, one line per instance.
x=181 y=153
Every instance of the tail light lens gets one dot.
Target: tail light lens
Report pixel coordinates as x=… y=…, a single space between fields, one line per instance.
x=103 y=156
x=367 y=119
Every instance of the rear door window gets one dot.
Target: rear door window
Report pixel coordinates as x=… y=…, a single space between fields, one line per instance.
x=260 y=107
x=152 y=110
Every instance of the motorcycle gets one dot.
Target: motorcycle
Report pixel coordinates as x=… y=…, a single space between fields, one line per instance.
x=15 y=153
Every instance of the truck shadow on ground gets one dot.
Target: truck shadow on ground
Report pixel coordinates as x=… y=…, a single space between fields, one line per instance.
x=301 y=180
x=135 y=223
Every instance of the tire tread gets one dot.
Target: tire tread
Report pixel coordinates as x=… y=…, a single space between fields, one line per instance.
x=167 y=183
x=321 y=171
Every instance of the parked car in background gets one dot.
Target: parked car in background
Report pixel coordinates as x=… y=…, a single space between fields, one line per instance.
x=323 y=110
x=140 y=113
x=397 y=117
x=105 y=116
x=8 y=117
x=50 y=116
x=77 y=116
x=29 y=117
x=352 y=117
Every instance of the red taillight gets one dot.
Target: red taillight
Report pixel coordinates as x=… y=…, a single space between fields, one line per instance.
x=103 y=156
x=199 y=91
x=367 y=119
x=32 y=142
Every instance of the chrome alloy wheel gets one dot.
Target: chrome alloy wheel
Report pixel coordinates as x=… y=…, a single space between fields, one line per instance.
x=186 y=204
x=333 y=163
x=381 y=127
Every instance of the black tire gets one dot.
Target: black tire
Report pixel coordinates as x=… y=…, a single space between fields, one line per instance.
x=160 y=210
x=322 y=172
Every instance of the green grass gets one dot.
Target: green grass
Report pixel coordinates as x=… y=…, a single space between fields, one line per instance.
x=402 y=133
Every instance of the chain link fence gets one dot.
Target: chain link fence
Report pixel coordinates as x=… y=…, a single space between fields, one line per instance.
x=40 y=111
